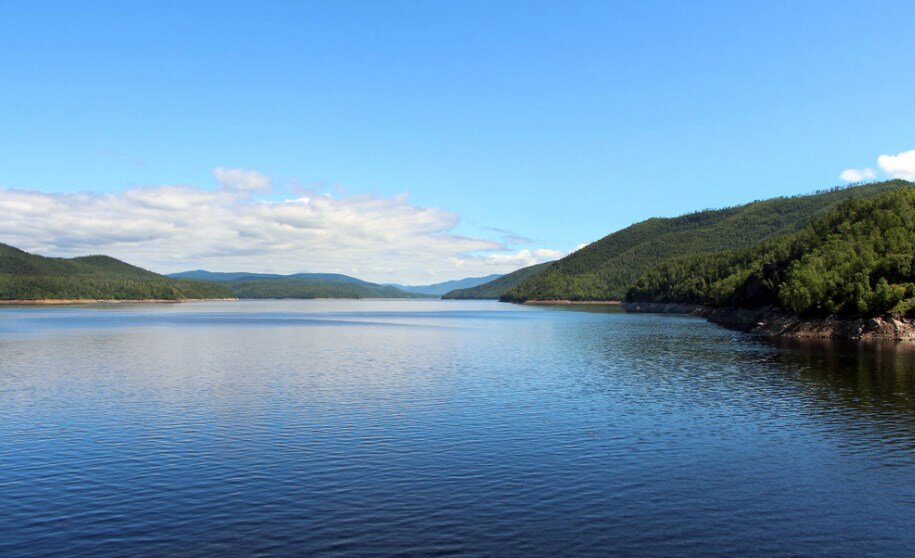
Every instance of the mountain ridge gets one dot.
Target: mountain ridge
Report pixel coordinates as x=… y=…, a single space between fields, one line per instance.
x=606 y=268
x=856 y=260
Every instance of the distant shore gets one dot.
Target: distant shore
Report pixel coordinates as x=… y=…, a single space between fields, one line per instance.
x=67 y=301
x=553 y=302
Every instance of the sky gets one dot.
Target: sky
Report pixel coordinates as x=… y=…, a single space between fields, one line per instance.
x=417 y=142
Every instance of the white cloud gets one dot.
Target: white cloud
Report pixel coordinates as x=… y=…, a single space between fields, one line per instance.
x=857 y=175
x=516 y=260
x=172 y=228
x=241 y=180
x=901 y=165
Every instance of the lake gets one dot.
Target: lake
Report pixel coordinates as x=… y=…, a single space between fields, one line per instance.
x=443 y=428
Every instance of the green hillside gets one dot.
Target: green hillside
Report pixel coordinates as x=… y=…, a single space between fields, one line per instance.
x=858 y=260
x=604 y=270
x=498 y=287
x=25 y=276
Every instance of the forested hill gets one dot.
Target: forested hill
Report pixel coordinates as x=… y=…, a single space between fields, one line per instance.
x=298 y=285
x=498 y=287
x=858 y=260
x=604 y=270
x=25 y=276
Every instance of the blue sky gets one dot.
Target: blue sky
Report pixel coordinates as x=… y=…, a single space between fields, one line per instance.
x=521 y=126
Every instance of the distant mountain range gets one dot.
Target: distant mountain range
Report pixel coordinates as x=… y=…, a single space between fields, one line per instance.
x=439 y=289
x=296 y=285
x=224 y=277
x=496 y=288
x=322 y=285
x=25 y=276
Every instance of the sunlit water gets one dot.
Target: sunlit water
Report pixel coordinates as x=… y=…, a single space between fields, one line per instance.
x=440 y=428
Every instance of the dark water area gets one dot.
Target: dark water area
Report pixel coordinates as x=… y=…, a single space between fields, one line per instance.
x=375 y=428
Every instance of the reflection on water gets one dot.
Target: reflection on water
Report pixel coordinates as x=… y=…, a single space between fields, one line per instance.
x=443 y=427
x=865 y=375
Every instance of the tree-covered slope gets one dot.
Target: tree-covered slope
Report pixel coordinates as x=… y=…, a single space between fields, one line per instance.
x=25 y=276
x=604 y=270
x=498 y=287
x=858 y=260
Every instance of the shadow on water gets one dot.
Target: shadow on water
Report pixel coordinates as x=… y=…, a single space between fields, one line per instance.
x=864 y=392
x=863 y=375
x=871 y=380
x=863 y=389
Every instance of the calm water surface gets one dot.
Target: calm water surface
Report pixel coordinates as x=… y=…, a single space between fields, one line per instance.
x=443 y=428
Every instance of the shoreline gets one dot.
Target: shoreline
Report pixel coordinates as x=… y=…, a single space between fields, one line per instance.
x=572 y=302
x=70 y=301
x=774 y=323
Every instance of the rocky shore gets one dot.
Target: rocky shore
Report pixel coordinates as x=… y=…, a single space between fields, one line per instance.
x=573 y=302
x=772 y=322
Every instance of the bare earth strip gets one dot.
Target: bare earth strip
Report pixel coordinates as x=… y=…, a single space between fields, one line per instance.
x=60 y=301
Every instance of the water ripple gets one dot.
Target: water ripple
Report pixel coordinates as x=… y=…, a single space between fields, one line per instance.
x=443 y=428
